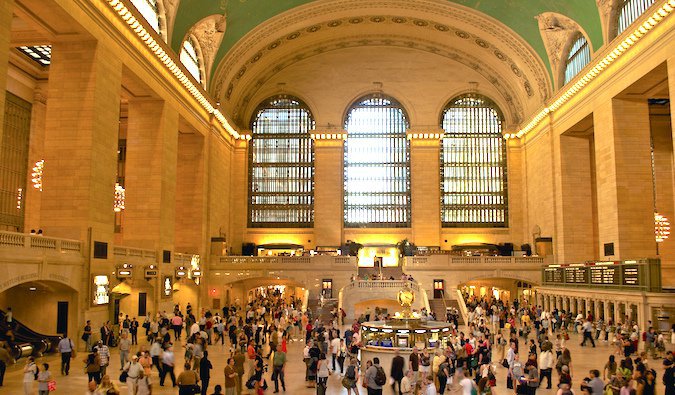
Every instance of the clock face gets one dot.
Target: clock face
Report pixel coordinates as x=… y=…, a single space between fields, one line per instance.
x=406 y=298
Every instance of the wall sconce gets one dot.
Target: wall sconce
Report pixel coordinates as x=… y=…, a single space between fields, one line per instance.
x=124 y=271
x=151 y=272
x=36 y=175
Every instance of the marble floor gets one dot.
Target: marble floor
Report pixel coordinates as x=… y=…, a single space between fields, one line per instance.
x=583 y=359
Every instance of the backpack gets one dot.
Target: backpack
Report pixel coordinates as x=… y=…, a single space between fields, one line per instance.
x=380 y=377
x=351 y=373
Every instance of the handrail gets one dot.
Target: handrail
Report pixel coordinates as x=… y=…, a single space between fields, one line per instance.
x=462 y=306
x=445 y=304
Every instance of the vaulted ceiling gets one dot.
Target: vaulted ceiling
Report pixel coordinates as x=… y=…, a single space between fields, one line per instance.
x=252 y=48
x=519 y=15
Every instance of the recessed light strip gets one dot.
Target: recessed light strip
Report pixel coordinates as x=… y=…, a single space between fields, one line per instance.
x=152 y=44
x=659 y=15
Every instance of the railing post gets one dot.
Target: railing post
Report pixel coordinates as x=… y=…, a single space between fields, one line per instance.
x=57 y=245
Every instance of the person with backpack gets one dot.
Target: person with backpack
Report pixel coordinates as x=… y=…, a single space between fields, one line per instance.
x=375 y=378
x=351 y=377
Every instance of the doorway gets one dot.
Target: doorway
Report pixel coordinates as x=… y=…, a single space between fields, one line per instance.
x=439 y=289
x=62 y=317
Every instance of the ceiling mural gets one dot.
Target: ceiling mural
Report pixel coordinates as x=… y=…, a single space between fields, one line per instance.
x=519 y=16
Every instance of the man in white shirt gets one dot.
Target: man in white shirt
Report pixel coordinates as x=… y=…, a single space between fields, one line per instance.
x=545 y=366
x=134 y=370
x=167 y=367
x=194 y=329
x=29 y=376
x=334 y=350
x=65 y=348
x=466 y=383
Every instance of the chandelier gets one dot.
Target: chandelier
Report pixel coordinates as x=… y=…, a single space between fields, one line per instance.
x=118 y=205
x=37 y=174
x=661 y=227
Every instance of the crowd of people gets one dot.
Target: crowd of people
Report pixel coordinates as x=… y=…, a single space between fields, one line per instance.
x=528 y=343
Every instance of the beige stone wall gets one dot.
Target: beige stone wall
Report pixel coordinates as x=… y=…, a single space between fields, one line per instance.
x=5 y=29
x=220 y=187
x=328 y=192
x=190 y=193
x=425 y=191
x=539 y=195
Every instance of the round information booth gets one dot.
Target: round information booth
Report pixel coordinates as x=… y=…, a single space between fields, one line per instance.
x=383 y=339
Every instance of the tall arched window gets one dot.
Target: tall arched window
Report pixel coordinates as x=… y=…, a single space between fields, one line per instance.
x=190 y=58
x=578 y=57
x=377 y=164
x=473 y=164
x=629 y=11
x=150 y=11
x=281 y=165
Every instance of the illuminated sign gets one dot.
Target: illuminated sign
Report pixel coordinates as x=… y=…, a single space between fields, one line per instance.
x=101 y=290
x=167 y=288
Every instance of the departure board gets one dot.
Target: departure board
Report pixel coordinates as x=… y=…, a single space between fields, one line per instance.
x=606 y=275
x=575 y=275
x=631 y=275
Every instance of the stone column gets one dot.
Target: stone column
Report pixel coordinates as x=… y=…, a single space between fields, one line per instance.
x=617 y=312
x=575 y=223
x=605 y=310
x=624 y=165
x=239 y=195
x=150 y=175
x=425 y=189
x=6 y=8
x=596 y=309
x=36 y=151
x=191 y=192
x=328 y=191
x=81 y=140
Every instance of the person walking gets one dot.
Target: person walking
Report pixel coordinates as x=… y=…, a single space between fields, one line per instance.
x=278 y=367
x=104 y=356
x=124 y=347
x=230 y=378
x=205 y=367
x=396 y=373
x=86 y=336
x=373 y=378
x=322 y=373
x=587 y=327
x=187 y=381
x=167 y=367
x=29 y=373
x=546 y=366
x=5 y=360
x=134 y=371
x=66 y=350
x=92 y=366
x=44 y=377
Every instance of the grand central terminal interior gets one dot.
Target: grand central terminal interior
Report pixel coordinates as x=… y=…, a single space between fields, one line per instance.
x=400 y=169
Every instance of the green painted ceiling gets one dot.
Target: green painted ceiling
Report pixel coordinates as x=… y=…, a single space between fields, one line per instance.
x=519 y=15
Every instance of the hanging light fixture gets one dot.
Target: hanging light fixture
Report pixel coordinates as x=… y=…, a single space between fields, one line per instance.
x=19 y=198
x=118 y=206
x=37 y=174
x=661 y=227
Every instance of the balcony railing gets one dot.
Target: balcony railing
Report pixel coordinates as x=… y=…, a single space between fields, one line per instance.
x=416 y=261
x=383 y=284
x=134 y=252
x=39 y=243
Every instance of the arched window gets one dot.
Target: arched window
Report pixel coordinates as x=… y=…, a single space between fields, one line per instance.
x=281 y=165
x=150 y=11
x=190 y=58
x=629 y=11
x=473 y=164
x=578 y=57
x=377 y=164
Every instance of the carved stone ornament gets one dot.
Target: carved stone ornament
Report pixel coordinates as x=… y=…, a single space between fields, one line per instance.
x=170 y=10
x=209 y=33
x=556 y=31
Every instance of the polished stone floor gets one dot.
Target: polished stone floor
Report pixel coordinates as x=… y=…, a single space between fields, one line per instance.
x=583 y=359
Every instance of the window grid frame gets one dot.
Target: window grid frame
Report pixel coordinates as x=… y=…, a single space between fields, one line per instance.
x=391 y=208
x=578 y=57
x=629 y=11
x=260 y=215
x=191 y=55
x=468 y=140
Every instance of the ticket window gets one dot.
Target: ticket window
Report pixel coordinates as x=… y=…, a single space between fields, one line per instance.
x=327 y=288
x=439 y=289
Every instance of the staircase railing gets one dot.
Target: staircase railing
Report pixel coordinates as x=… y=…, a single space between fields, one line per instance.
x=462 y=306
x=445 y=304
x=383 y=284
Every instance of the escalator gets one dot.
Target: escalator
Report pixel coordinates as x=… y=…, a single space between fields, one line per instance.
x=26 y=341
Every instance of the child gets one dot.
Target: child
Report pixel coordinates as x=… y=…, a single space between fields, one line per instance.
x=218 y=390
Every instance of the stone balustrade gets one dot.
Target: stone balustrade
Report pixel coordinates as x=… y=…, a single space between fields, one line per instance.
x=120 y=251
x=302 y=262
x=383 y=284
x=452 y=260
x=39 y=243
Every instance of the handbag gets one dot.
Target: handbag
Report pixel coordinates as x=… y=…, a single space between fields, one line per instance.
x=51 y=385
x=123 y=376
x=347 y=382
x=505 y=363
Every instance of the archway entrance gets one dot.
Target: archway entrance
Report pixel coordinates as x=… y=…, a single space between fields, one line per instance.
x=505 y=289
x=42 y=311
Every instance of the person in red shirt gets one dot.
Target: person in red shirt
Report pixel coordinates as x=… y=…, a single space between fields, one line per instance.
x=250 y=359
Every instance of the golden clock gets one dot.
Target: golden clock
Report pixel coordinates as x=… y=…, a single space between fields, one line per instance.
x=406 y=297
